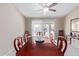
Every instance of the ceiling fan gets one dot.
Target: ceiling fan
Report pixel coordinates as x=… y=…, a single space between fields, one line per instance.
x=46 y=7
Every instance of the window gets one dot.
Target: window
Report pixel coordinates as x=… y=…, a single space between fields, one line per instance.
x=75 y=25
x=44 y=27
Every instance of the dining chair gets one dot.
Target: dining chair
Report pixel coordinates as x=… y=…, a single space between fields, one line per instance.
x=61 y=33
x=18 y=43
x=51 y=37
x=62 y=44
x=26 y=34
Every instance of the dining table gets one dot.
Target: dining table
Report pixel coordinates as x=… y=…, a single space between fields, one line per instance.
x=47 y=48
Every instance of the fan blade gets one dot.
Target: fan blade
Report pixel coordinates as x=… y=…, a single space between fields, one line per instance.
x=45 y=5
x=39 y=10
x=52 y=10
x=41 y=5
x=53 y=4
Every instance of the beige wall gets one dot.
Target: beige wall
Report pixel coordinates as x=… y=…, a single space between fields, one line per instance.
x=11 y=26
x=28 y=25
x=71 y=15
x=59 y=23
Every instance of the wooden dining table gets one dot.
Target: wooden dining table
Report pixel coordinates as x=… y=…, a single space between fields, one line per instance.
x=47 y=48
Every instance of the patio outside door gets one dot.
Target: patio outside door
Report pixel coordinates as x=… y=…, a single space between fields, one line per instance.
x=45 y=28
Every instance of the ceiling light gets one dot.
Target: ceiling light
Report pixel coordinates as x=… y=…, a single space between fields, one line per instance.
x=45 y=9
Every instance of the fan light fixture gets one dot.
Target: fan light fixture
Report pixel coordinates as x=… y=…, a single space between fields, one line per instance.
x=45 y=9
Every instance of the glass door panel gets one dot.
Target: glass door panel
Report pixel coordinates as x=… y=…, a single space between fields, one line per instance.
x=45 y=28
x=52 y=29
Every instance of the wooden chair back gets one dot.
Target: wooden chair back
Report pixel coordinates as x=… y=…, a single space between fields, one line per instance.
x=18 y=43
x=26 y=34
x=62 y=44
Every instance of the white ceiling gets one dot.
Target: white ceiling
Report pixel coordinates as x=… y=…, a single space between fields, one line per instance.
x=30 y=9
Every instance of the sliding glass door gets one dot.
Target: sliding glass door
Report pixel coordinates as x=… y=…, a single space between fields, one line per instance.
x=45 y=28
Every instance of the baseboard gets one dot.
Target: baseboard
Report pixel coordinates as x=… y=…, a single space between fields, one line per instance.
x=12 y=52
